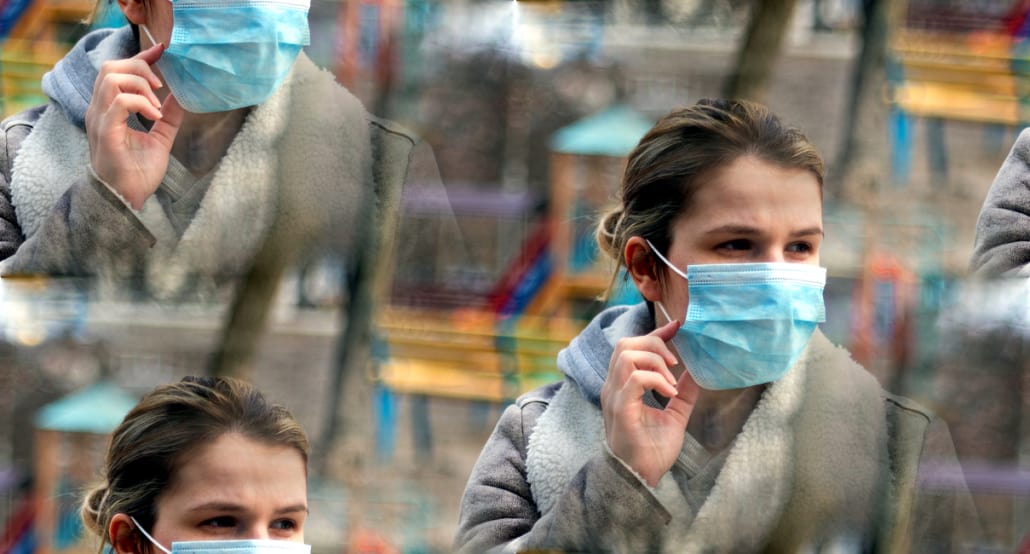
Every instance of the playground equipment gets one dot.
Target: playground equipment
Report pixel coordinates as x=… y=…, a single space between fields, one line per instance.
x=34 y=35
x=498 y=349
x=71 y=436
x=966 y=64
x=587 y=162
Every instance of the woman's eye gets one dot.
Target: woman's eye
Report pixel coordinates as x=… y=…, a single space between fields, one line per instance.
x=739 y=244
x=222 y=521
x=284 y=525
x=800 y=248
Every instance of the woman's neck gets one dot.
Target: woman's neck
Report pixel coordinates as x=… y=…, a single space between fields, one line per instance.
x=719 y=416
x=203 y=139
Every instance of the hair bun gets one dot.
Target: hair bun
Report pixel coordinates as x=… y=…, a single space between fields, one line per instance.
x=607 y=232
x=91 y=509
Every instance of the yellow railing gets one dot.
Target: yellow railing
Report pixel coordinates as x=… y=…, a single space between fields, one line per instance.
x=22 y=65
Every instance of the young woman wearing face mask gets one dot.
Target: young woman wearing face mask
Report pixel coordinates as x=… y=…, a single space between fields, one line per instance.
x=714 y=417
x=204 y=466
x=178 y=148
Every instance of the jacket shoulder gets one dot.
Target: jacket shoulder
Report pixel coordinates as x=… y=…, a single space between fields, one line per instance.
x=908 y=408
x=23 y=119
x=13 y=131
x=909 y=426
x=391 y=130
x=541 y=395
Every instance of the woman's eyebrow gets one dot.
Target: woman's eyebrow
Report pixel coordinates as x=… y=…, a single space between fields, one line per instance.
x=292 y=508
x=218 y=506
x=808 y=231
x=738 y=229
x=733 y=229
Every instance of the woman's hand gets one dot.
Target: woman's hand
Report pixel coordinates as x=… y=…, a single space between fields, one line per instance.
x=129 y=161
x=647 y=439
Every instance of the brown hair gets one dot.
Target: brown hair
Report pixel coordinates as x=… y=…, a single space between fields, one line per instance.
x=666 y=167
x=150 y=443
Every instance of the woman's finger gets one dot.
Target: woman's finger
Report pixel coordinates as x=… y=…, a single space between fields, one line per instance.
x=619 y=403
x=166 y=129
x=642 y=381
x=136 y=65
x=651 y=342
x=126 y=103
x=665 y=333
x=151 y=55
x=119 y=83
x=632 y=361
x=687 y=391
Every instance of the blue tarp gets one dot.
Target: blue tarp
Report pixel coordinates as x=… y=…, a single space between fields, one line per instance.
x=96 y=409
x=614 y=132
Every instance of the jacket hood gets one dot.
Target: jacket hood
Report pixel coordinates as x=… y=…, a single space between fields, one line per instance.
x=585 y=359
x=70 y=83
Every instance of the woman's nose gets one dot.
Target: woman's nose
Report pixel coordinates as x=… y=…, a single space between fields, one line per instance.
x=772 y=255
x=256 y=532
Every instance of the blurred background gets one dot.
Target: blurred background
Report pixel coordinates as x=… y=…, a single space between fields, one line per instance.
x=530 y=109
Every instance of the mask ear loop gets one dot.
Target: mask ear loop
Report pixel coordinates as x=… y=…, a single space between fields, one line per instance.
x=147 y=535
x=672 y=267
x=150 y=36
x=667 y=262
x=662 y=308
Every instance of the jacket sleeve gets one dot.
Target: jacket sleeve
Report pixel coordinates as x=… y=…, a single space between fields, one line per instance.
x=934 y=508
x=10 y=231
x=88 y=223
x=604 y=507
x=1003 y=229
x=944 y=517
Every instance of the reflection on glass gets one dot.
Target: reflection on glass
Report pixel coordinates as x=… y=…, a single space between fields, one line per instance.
x=487 y=268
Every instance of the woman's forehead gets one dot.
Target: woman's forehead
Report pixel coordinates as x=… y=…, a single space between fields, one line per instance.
x=235 y=469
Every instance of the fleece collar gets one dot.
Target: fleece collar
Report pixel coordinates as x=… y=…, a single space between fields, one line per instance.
x=585 y=359
x=70 y=83
x=812 y=449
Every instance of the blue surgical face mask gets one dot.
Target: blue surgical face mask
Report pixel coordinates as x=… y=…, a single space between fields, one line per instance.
x=231 y=53
x=746 y=324
x=243 y=546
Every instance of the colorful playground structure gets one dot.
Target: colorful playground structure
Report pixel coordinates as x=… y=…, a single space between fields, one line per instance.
x=70 y=438
x=507 y=344
x=34 y=34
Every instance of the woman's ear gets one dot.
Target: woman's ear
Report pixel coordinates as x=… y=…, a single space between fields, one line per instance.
x=642 y=266
x=135 y=11
x=124 y=537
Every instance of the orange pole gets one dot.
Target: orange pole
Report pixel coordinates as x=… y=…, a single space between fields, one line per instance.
x=47 y=474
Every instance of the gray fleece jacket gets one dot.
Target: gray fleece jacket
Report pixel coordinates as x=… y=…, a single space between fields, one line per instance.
x=827 y=460
x=1002 y=244
x=308 y=168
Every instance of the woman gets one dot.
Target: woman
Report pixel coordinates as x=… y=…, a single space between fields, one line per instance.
x=179 y=149
x=203 y=465
x=1002 y=246
x=714 y=416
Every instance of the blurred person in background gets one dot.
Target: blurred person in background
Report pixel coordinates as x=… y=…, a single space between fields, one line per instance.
x=1002 y=244
x=204 y=465
x=715 y=416
x=177 y=149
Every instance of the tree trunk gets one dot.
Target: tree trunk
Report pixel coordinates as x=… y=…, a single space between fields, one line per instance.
x=654 y=12
x=759 y=50
x=246 y=322
x=862 y=155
